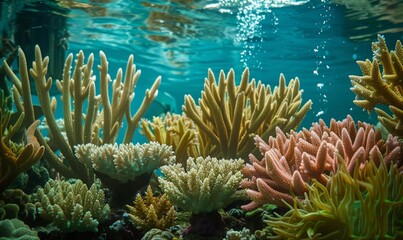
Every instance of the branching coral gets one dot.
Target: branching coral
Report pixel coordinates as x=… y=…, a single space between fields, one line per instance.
x=150 y=212
x=348 y=208
x=207 y=184
x=291 y=161
x=386 y=88
x=227 y=115
x=12 y=162
x=103 y=119
x=175 y=130
x=72 y=207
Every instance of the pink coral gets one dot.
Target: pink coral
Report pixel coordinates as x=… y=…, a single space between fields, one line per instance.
x=291 y=161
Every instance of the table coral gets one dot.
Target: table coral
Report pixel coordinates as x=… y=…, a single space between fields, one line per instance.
x=228 y=115
x=290 y=162
x=382 y=88
x=72 y=206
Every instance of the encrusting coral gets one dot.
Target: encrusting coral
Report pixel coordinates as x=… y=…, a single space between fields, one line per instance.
x=150 y=212
x=124 y=168
x=102 y=121
x=72 y=206
x=228 y=115
x=382 y=88
x=16 y=229
x=14 y=162
x=290 y=162
x=365 y=205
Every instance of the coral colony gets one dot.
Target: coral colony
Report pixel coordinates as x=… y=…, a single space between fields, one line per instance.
x=232 y=165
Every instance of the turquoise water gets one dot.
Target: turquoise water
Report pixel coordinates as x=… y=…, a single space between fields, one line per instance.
x=317 y=41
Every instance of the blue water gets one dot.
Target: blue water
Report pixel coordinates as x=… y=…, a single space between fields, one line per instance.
x=317 y=41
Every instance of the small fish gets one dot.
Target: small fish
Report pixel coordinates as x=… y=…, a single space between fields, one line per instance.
x=163 y=103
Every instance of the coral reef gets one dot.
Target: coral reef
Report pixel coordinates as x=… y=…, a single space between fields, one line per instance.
x=290 y=162
x=72 y=207
x=16 y=229
x=228 y=115
x=382 y=88
x=348 y=208
x=95 y=126
x=150 y=212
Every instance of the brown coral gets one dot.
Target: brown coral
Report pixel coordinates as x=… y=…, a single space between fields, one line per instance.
x=150 y=212
x=291 y=161
x=11 y=163
x=382 y=88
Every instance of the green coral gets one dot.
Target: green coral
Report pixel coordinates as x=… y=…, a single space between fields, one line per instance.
x=11 y=229
x=347 y=208
x=72 y=207
x=206 y=185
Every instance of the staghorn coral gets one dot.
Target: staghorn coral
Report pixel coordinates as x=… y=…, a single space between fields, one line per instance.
x=176 y=130
x=124 y=168
x=101 y=122
x=382 y=88
x=207 y=184
x=347 y=208
x=72 y=207
x=150 y=212
x=290 y=162
x=13 y=160
x=244 y=234
x=228 y=115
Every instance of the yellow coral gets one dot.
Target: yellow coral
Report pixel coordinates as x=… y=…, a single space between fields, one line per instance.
x=152 y=212
x=228 y=116
x=72 y=207
x=375 y=87
x=205 y=185
x=348 y=208
x=12 y=163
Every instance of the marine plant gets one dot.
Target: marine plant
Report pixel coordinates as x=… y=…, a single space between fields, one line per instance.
x=291 y=162
x=101 y=122
x=365 y=205
x=72 y=206
x=381 y=83
x=151 y=211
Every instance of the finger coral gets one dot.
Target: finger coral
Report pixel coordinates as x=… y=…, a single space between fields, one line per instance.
x=228 y=115
x=150 y=212
x=101 y=122
x=72 y=206
x=347 y=208
x=207 y=184
x=382 y=87
x=290 y=162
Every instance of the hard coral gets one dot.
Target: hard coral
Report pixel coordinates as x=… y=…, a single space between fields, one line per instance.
x=228 y=115
x=290 y=162
x=382 y=88
x=72 y=207
x=150 y=212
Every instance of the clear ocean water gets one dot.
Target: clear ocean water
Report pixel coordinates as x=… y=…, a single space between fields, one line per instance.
x=317 y=41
